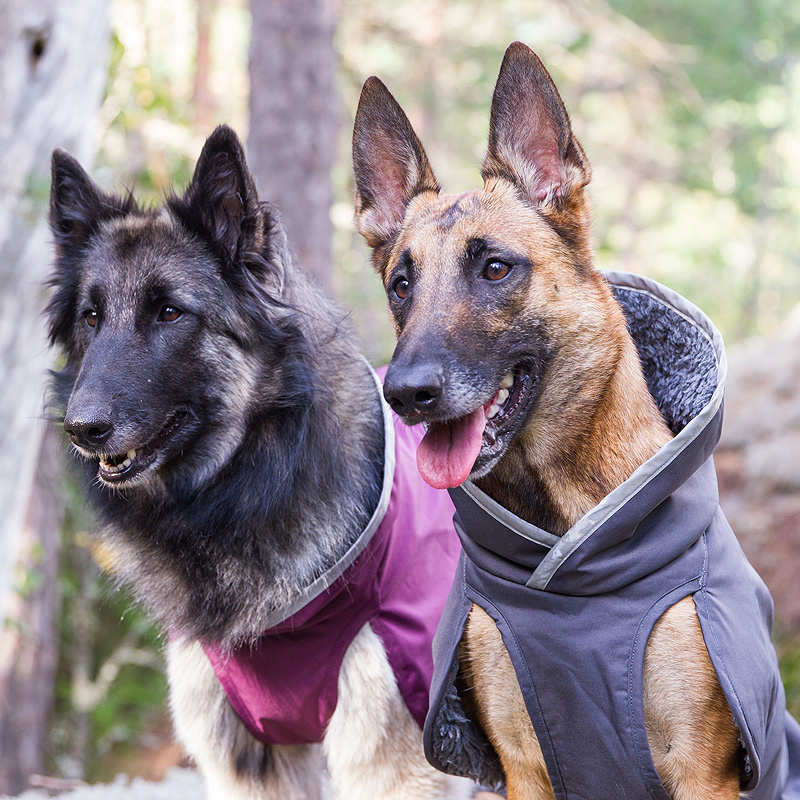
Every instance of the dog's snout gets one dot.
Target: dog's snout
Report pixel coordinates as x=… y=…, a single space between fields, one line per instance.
x=414 y=390
x=89 y=429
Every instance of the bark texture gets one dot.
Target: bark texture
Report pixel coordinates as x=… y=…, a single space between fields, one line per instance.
x=52 y=72
x=294 y=120
x=29 y=647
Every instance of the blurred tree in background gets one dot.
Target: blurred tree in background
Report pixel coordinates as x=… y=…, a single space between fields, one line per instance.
x=688 y=112
x=52 y=71
x=293 y=132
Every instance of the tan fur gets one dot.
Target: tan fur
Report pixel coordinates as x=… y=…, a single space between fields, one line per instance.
x=500 y=708
x=690 y=729
x=373 y=746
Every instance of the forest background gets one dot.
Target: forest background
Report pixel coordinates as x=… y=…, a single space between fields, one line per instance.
x=688 y=110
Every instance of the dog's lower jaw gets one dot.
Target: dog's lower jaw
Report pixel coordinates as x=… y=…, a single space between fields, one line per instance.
x=569 y=456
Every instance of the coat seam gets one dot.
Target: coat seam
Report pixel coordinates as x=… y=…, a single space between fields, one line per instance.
x=631 y=710
x=723 y=664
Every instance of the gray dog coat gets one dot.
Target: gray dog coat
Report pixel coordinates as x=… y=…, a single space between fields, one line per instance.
x=575 y=611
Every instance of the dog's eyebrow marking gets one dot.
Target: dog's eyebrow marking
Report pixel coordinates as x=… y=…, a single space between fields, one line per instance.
x=479 y=249
x=475 y=247
x=405 y=262
x=96 y=296
x=451 y=215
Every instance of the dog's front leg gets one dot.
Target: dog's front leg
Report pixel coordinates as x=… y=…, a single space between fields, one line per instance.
x=234 y=765
x=373 y=745
x=500 y=709
x=690 y=729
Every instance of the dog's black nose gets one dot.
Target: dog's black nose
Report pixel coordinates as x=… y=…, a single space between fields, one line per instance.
x=90 y=429
x=415 y=389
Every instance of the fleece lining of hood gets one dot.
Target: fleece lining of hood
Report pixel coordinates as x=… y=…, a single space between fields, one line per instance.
x=678 y=358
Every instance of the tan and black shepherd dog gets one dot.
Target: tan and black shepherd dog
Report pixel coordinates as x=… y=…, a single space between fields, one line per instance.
x=593 y=421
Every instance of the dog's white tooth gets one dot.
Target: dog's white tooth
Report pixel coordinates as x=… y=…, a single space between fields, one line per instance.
x=493 y=410
x=502 y=396
x=508 y=381
x=131 y=454
x=126 y=462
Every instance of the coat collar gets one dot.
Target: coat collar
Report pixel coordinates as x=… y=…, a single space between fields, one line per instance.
x=685 y=366
x=334 y=572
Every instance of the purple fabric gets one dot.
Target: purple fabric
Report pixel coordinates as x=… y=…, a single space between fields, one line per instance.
x=284 y=689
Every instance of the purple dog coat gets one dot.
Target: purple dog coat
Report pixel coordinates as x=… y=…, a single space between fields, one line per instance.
x=395 y=577
x=575 y=612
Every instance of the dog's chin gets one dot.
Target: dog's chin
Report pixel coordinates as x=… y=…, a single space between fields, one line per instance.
x=141 y=462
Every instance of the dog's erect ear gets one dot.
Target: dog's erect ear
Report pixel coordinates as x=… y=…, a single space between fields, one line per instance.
x=390 y=165
x=223 y=197
x=530 y=136
x=77 y=205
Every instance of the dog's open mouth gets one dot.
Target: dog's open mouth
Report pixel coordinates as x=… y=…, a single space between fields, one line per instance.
x=452 y=450
x=123 y=467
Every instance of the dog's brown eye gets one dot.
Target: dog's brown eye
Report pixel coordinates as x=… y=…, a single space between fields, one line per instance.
x=400 y=287
x=496 y=271
x=91 y=318
x=169 y=314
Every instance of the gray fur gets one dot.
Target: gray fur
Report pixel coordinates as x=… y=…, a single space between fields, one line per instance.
x=678 y=361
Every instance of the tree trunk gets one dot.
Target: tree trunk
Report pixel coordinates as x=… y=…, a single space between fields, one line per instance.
x=52 y=73
x=294 y=120
x=202 y=96
x=29 y=646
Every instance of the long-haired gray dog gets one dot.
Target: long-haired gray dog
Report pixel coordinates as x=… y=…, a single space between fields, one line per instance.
x=232 y=444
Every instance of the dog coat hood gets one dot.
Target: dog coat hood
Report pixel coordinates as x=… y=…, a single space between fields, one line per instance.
x=575 y=612
x=395 y=577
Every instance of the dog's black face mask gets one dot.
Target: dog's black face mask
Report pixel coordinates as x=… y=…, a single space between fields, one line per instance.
x=148 y=308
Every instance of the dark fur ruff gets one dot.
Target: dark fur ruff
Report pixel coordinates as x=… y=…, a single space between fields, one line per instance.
x=280 y=459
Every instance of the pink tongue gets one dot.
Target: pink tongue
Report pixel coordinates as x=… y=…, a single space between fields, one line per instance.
x=446 y=455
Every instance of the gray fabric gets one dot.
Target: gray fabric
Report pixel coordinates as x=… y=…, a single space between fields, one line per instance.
x=577 y=640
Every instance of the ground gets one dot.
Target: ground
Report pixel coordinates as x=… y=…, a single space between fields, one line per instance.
x=179 y=784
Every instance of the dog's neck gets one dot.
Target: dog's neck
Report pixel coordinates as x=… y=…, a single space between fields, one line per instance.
x=594 y=424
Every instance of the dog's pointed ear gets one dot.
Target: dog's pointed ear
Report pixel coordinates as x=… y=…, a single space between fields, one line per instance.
x=389 y=162
x=223 y=197
x=77 y=204
x=530 y=135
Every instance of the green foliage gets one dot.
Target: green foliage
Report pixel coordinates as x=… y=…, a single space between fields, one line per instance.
x=788 y=648
x=688 y=113
x=110 y=689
